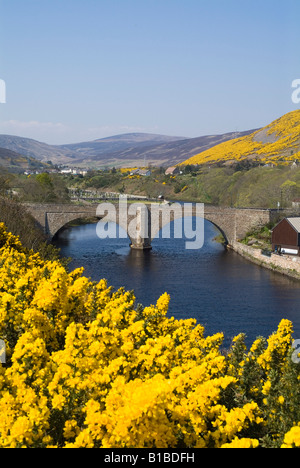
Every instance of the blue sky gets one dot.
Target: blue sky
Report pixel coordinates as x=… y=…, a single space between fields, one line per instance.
x=79 y=70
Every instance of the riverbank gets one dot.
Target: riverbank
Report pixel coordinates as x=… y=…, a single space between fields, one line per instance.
x=285 y=265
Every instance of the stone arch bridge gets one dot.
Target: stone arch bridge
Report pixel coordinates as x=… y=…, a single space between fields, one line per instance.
x=143 y=221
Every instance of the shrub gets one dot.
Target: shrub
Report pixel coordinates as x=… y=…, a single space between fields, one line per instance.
x=86 y=368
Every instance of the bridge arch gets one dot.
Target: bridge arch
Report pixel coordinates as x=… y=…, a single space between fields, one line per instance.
x=73 y=220
x=226 y=241
x=55 y=224
x=52 y=218
x=164 y=217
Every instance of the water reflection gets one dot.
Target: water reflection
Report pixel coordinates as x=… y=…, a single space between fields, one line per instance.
x=223 y=291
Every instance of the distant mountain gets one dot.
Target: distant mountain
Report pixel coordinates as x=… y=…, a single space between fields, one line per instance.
x=129 y=150
x=35 y=149
x=98 y=151
x=279 y=141
x=108 y=151
x=167 y=154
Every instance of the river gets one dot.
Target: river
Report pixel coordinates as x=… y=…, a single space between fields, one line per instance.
x=223 y=291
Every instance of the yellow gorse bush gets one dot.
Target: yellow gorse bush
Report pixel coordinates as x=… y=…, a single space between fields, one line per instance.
x=86 y=368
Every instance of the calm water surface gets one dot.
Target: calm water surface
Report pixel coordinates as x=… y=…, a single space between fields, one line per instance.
x=220 y=289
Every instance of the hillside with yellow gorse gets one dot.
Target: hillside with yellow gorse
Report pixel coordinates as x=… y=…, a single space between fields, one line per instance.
x=278 y=142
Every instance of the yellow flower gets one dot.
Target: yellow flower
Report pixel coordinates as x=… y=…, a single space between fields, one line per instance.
x=292 y=438
x=71 y=429
x=163 y=303
x=58 y=402
x=242 y=443
x=266 y=388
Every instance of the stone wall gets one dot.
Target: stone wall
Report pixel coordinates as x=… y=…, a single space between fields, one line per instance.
x=284 y=264
x=249 y=219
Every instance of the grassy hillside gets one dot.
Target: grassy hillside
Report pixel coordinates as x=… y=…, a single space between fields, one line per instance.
x=262 y=187
x=277 y=142
x=15 y=162
x=237 y=186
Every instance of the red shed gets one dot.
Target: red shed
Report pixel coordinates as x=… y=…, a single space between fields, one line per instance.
x=286 y=236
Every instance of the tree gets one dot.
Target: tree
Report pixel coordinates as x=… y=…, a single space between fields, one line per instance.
x=4 y=185
x=45 y=188
x=45 y=180
x=188 y=169
x=289 y=190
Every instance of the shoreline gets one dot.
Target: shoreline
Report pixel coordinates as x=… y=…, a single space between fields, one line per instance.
x=287 y=266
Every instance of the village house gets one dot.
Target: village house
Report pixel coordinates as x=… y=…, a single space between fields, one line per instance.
x=296 y=203
x=286 y=237
x=74 y=171
x=145 y=172
x=172 y=171
x=141 y=172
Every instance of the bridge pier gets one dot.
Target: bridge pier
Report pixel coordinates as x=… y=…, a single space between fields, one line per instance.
x=139 y=229
x=141 y=246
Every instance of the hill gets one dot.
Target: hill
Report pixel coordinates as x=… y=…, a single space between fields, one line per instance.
x=106 y=151
x=119 y=150
x=35 y=149
x=15 y=162
x=279 y=141
x=127 y=150
x=163 y=154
